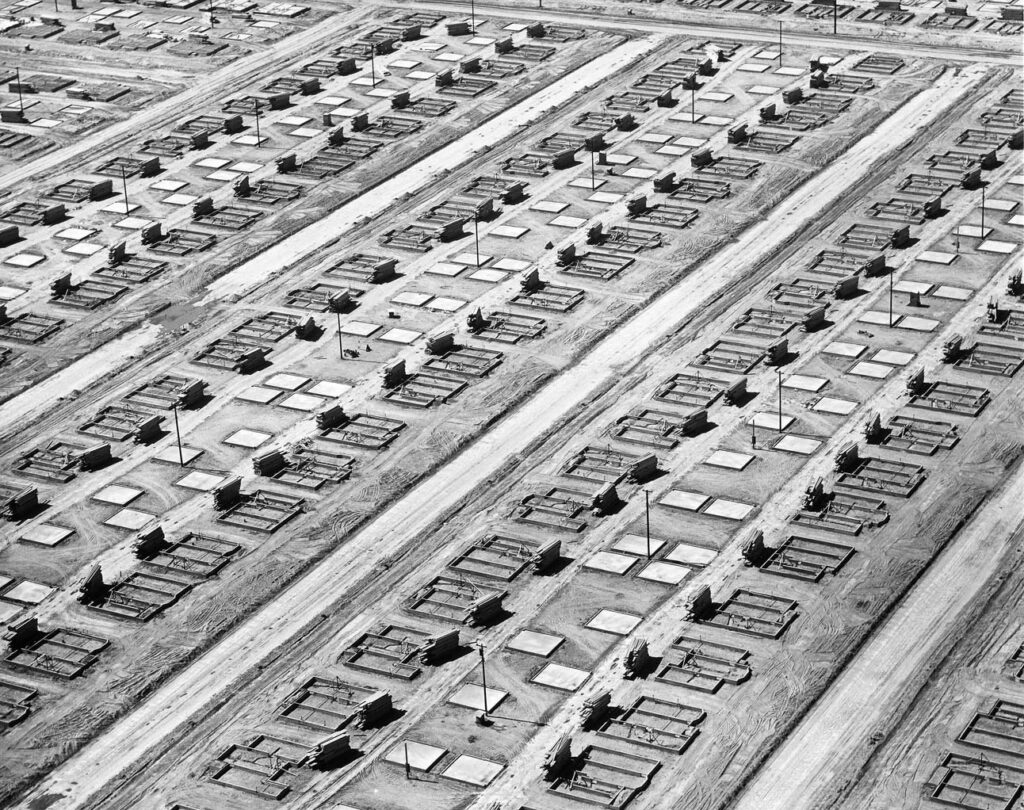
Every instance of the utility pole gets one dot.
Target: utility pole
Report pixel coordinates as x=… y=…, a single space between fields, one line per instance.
x=472 y=15
x=177 y=431
x=483 y=674
x=780 y=43
x=408 y=770
x=693 y=101
x=593 y=181
x=124 y=185
x=647 y=509
x=373 y=68
x=983 y=210
x=256 y=110
x=835 y=17
x=341 y=347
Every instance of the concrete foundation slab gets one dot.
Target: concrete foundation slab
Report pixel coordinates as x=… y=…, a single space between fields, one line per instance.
x=419 y=756
x=731 y=510
x=937 y=257
x=802 y=382
x=534 y=643
x=611 y=621
x=511 y=265
x=873 y=370
x=250 y=439
x=508 y=231
x=753 y=67
x=45 y=534
x=446 y=269
x=605 y=197
x=729 y=460
x=619 y=158
x=690 y=501
x=489 y=276
x=995 y=246
x=561 y=677
x=200 y=481
x=301 y=402
x=117 y=495
x=697 y=556
x=664 y=572
x=28 y=593
x=975 y=231
x=877 y=317
x=586 y=182
x=473 y=771
x=892 y=358
x=639 y=174
x=259 y=394
x=953 y=293
x=286 y=382
x=798 y=444
x=472 y=260
x=402 y=336
x=918 y=324
x=637 y=544
x=130 y=519
x=170 y=455
x=919 y=287
x=841 y=407
x=359 y=328
x=24 y=260
x=549 y=206
x=328 y=389
x=771 y=421
x=610 y=563
x=844 y=349
x=471 y=695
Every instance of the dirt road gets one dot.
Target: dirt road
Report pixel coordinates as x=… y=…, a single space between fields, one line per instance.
x=868 y=696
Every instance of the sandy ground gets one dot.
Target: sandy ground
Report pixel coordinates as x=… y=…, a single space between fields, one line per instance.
x=166 y=709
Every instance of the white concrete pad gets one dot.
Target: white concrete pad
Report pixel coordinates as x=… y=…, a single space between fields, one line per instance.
x=844 y=349
x=1016 y=220
x=404 y=64
x=549 y=206
x=800 y=445
x=614 y=622
x=170 y=455
x=567 y=222
x=801 y=382
x=730 y=510
x=223 y=176
x=1004 y=206
x=179 y=199
x=301 y=402
x=691 y=555
x=878 y=317
x=471 y=695
x=916 y=323
x=664 y=572
x=472 y=260
x=10 y=293
x=638 y=173
x=875 y=371
x=511 y=265
x=419 y=756
x=449 y=269
x=200 y=481
x=74 y=234
x=410 y=298
x=487 y=275
x=693 y=143
x=211 y=163
x=359 y=328
x=605 y=197
x=763 y=90
x=508 y=231
x=890 y=357
x=247 y=167
x=619 y=158
x=996 y=246
x=133 y=223
x=45 y=534
x=84 y=249
x=936 y=257
x=259 y=394
x=680 y=499
x=610 y=563
x=328 y=389
x=919 y=287
x=402 y=336
x=954 y=293
x=473 y=770
x=286 y=382
x=718 y=97
x=292 y=121
x=444 y=304
x=420 y=75
x=250 y=439
x=770 y=421
x=975 y=231
x=557 y=676
x=300 y=132
x=654 y=137
x=636 y=544
x=790 y=71
x=753 y=67
x=673 y=151
x=840 y=407
x=9 y=612
x=717 y=120
x=728 y=459
x=535 y=643
x=28 y=593
x=119 y=208
x=117 y=494
x=130 y=519
x=24 y=259
x=586 y=182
